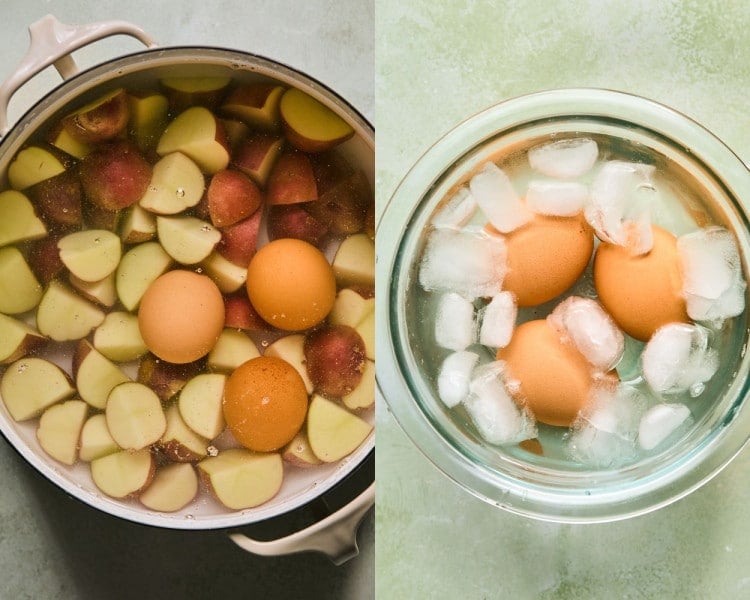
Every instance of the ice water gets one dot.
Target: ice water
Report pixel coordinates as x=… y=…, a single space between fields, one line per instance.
x=677 y=200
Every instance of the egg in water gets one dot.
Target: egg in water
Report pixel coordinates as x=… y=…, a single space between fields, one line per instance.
x=548 y=374
x=291 y=284
x=641 y=292
x=546 y=256
x=181 y=316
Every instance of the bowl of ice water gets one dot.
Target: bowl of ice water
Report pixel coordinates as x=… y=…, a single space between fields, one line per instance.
x=566 y=332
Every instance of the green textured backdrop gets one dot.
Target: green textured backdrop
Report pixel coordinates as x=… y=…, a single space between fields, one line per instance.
x=437 y=63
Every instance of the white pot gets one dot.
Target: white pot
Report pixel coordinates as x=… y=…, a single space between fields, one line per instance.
x=51 y=44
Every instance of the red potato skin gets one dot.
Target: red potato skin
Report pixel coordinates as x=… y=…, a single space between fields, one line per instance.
x=369 y=228
x=239 y=313
x=257 y=154
x=115 y=175
x=102 y=123
x=254 y=94
x=165 y=378
x=335 y=358
x=294 y=221
x=59 y=200
x=239 y=241
x=44 y=258
x=231 y=197
x=343 y=207
x=291 y=180
x=176 y=451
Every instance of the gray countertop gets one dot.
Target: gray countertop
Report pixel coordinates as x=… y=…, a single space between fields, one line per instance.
x=53 y=546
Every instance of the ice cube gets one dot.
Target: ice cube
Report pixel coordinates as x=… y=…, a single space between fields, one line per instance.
x=556 y=198
x=470 y=263
x=457 y=211
x=659 y=422
x=591 y=329
x=455 y=327
x=494 y=413
x=565 y=159
x=605 y=433
x=498 y=200
x=620 y=202
x=712 y=280
x=498 y=320
x=454 y=377
x=678 y=358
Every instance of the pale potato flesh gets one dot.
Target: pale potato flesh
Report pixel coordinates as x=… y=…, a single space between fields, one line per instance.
x=350 y=308
x=200 y=404
x=354 y=263
x=186 y=239
x=96 y=440
x=333 y=431
x=179 y=442
x=20 y=290
x=90 y=255
x=176 y=184
x=135 y=417
x=103 y=292
x=138 y=269
x=18 y=221
x=194 y=132
x=32 y=165
x=174 y=487
x=241 y=479
x=60 y=429
x=63 y=315
x=30 y=385
x=97 y=376
x=123 y=473
x=16 y=338
x=119 y=337
x=233 y=348
x=227 y=276
x=362 y=396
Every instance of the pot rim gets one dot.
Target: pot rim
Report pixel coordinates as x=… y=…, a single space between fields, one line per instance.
x=107 y=74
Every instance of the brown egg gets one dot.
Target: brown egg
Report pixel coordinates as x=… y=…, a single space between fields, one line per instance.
x=550 y=376
x=642 y=293
x=291 y=284
x=265 y=403
x=546 y=257
x=181 y=316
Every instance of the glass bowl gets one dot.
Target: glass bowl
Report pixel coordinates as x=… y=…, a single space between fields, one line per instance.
x=706 y=176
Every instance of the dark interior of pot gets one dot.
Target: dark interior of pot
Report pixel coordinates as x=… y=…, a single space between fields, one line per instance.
x=131 y=467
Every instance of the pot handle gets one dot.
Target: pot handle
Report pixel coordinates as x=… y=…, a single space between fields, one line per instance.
x=334 y=536
x=51 y=43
